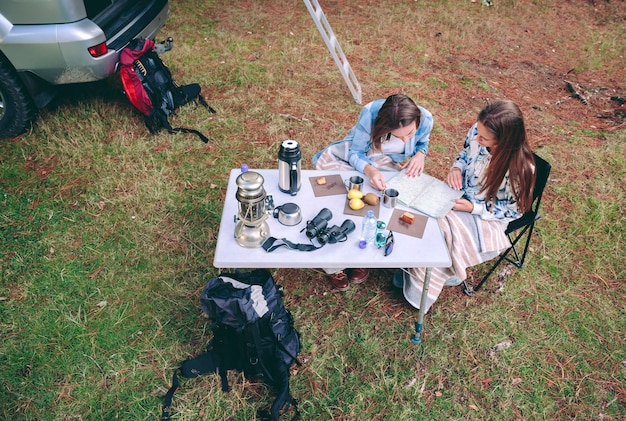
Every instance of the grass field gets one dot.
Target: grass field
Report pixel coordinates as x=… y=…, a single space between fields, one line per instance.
x=107 y=232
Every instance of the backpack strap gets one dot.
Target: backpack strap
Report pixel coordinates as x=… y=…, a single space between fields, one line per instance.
x=254 y=359
x=167 y=400
x=295 y=359
x=158 y=120
x=202 y=101
x=191 y=92
x=202 y=364
x=280 y=381
x=290 y=404
x=192 y=131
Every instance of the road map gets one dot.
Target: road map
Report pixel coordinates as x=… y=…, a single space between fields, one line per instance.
x=425 y=193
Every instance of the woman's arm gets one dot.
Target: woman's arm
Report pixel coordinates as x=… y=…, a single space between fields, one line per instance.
x=456 y=176
x=361 y=135
x=504 y=207
x=415 y=165
x=377 y=180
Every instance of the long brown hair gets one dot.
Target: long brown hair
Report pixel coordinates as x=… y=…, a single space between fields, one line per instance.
x=397 y=111
x=512 y=153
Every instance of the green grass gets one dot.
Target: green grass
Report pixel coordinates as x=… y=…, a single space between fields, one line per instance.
x=107 y=232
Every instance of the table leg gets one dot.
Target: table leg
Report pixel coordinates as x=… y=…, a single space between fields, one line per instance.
x=419 y=325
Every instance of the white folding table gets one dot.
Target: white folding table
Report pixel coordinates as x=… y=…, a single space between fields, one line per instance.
x=429 y=251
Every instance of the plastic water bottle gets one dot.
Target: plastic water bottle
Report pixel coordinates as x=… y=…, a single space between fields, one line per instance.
x=368 y=230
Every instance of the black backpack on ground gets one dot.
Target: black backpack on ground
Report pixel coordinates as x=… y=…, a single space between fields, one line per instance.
x=253 y=333
x=149 y=86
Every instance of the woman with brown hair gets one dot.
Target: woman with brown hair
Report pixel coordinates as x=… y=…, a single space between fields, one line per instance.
x=496 y=171
x=390 y=135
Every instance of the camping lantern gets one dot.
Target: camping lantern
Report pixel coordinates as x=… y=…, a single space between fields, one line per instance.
x=251 y=229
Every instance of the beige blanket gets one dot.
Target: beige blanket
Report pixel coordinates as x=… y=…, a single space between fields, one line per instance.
x=470 y=241
x=335 y=157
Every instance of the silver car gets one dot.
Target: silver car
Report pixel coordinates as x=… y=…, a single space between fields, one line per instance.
x=47 y=43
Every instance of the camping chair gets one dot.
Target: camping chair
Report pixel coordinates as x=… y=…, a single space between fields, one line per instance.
x=521 y=226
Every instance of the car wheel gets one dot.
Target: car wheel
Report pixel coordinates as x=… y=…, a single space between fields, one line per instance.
x=17 y=110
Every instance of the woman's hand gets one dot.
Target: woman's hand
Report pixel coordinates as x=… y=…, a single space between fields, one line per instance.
x=463 y=205
x=454 y=179
x=377 y=180
x=415 y=165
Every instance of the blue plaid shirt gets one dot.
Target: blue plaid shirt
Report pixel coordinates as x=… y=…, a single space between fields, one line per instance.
x=361 y=137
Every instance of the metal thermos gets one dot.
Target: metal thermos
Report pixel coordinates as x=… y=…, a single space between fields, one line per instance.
x=289 y=167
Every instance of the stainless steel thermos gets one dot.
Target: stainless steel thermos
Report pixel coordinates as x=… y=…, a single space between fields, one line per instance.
x=289 y=167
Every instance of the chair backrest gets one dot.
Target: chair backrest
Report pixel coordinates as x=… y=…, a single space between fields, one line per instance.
x=523 y=225
x=542 y=168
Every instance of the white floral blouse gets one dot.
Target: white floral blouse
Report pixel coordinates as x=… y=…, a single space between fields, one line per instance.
x=473 y=162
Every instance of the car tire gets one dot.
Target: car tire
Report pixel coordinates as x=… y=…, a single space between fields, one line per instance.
x=17 y=110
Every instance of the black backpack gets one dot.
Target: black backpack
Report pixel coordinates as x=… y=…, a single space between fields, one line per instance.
x=149 y=86
x=253 y=333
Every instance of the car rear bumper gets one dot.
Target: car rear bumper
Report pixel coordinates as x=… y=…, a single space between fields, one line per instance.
x=59 y=53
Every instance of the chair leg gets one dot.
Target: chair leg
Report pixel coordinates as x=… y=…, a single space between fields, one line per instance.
x=519 y=261
x=469 y=290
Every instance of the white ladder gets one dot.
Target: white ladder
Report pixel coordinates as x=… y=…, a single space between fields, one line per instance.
x=333 y=46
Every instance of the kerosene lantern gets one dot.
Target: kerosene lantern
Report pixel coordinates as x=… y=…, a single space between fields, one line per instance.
x=251 y=229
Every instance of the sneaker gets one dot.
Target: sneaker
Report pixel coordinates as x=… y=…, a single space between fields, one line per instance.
x=398 y=279
x=453 y=282
x=358 y=276
x=339 y=280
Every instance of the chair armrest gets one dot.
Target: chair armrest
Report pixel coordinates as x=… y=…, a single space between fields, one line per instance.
x=524 y=220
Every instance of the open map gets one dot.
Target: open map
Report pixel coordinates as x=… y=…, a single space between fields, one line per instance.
x=426 y=194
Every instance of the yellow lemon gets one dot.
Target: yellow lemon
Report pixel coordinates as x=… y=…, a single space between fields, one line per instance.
x=355 y=194
x=356 y=204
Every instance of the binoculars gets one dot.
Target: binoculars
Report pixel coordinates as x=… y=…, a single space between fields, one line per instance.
x=318 y=228
x=336 y=234
x=317 y=225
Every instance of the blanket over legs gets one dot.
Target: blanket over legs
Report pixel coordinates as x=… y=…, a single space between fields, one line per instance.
x=470 y=241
